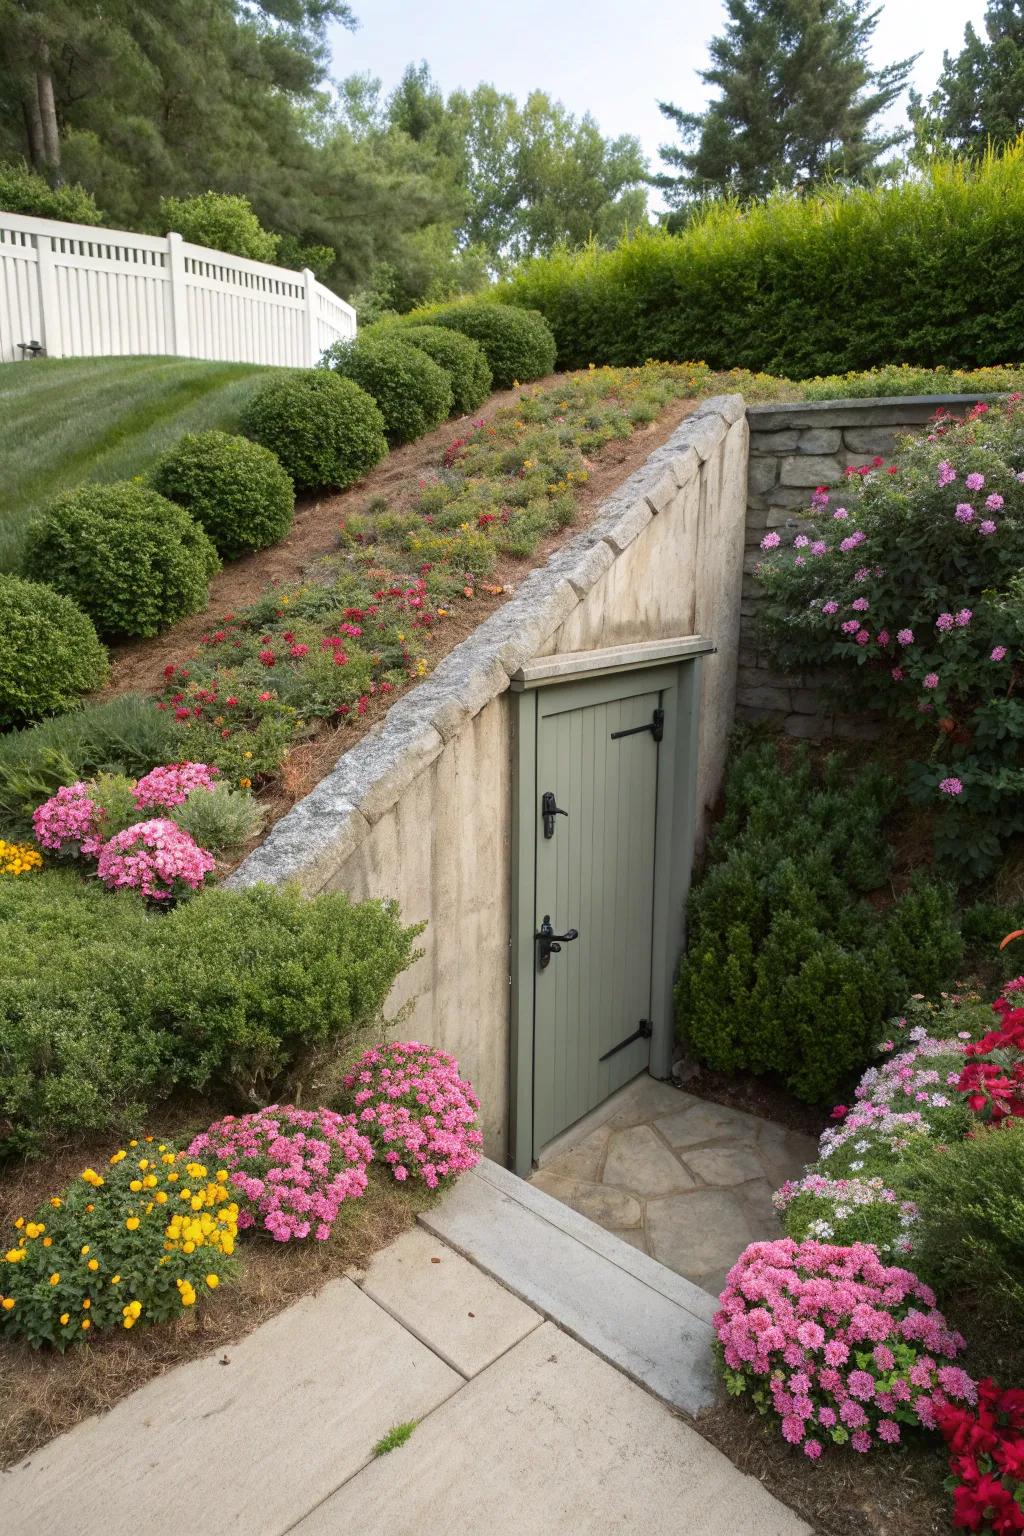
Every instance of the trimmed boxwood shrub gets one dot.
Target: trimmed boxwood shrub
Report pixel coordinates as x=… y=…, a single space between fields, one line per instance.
x=133 y=560
x=463 y=360
x=326 y=431
x=234 y=487
x=518 y=343
x=788 y=967
x=50 y=653
x=413 y=393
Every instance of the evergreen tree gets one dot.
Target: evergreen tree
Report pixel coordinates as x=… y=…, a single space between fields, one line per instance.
x=980 y=94
x=797 y=98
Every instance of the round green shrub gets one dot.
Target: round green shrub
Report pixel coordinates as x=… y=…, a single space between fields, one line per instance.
x=462 y=359
x=234 y=487
x=50 y=653
x=326 y=431
x=133 y=560
x=413 y=393
x=518 y=343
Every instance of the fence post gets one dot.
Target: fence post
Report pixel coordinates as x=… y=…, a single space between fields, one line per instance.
x=49 y=302
x=179 y=298
x=312 y=345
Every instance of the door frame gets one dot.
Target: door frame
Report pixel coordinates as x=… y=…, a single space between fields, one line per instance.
x=674 y=667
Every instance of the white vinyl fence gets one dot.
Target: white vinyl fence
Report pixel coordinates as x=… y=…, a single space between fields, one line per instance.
x=85 y=292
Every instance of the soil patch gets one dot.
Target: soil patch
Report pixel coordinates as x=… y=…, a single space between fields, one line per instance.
x=44 y=1394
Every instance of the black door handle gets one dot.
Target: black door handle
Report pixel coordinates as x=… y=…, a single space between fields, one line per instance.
x=550 y=943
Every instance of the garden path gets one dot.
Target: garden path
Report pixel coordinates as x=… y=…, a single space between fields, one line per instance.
x=522 y=1425
x=685 y=1180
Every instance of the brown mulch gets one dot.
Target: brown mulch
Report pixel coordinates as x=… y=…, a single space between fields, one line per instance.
x=766 y=1097
x=43 y=1394
x=138 y=667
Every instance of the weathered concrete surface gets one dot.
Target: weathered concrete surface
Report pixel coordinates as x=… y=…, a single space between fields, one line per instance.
x=446 y=1302
x=652 y=1324
x=551 y=1441
x=683 y=1179
x=246 y=1446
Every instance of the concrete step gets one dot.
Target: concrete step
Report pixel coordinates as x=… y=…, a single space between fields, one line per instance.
x=629 y=1309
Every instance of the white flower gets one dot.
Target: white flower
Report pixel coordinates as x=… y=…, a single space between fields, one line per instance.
x=857 y=1166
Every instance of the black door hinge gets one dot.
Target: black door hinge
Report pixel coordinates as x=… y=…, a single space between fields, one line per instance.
x=643 y=1031
x=656 y=726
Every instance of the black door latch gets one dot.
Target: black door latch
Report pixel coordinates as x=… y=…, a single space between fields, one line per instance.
x=549 y=810
x=656 y=726
x=550 y=943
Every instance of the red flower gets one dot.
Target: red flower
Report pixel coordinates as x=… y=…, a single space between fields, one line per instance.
x=267 y=657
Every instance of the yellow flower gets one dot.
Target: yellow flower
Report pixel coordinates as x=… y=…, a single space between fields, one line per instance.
x=65 y=1318
x=129 y=1322
x=90 y=1176
x=132 y=1223
x=7 y=1303
x=115 y=1279
x=86 y=1323
x=56 y=1202
x=19 y=1222
x=135 y=1186
x=93 y=1264
x=245 y=783
x=134 y=1143
x=132 y=1310
x=34 y=1228
x=149 y=1181
x=47 y=1242
x=14 y=1254
x=161 y=1197
x=85 y=1250
x=221 y=1175
x=55 y=1278
x=213 y=1281
x=86 y=1304
x=119 y=1157
x=143 y=1163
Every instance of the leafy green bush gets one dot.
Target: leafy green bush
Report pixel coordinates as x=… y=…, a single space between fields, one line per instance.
x=804 y=285
x=901 y=379
x=461 y=358
x=970 y=1235
x=106 y=1007
x=258 y=986
x=518 y=343
x=326 y=431
x=911 y=595
x=133 y=560
x=219 y=818
x=50 y=653
x=234 y=487
x=788 y=969
x=79 y=1052
x=25 y=191
x=413 y=393
x=125 y=735
x=222 y=221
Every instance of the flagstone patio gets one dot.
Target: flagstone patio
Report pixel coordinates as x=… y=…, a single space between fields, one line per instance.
x=685 y=1180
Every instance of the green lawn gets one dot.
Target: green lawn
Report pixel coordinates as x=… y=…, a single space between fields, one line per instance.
x=104 y=418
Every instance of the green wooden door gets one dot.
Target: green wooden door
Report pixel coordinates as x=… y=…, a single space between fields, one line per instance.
x=596 y=874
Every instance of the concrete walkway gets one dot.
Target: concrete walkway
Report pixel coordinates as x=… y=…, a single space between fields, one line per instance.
x=521 y=1428
x=684 y=1180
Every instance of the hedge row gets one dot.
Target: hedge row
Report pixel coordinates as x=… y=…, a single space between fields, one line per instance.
x=926 y=271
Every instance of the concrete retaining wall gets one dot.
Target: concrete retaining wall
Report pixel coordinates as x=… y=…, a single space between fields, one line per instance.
x=421 y=808
x=793 y=448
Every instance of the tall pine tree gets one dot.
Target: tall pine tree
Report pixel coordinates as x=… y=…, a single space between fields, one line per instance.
x=980 y=94
x=797 y=100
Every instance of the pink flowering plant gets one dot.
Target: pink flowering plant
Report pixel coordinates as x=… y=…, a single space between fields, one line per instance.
x=837 y=1345
x=155 y=858
x=420 y=1114
x=69 y=823
x=905 y=584
x=291 y=1170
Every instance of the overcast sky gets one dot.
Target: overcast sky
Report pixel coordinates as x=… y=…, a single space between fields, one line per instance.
x=613 y=58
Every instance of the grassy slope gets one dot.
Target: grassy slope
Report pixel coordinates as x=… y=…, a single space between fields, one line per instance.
x=105 y=418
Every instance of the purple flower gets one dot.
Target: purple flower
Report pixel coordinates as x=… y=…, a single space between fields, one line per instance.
x=951 y=786
x=850 y=627
x=974 y=482
x=987 y=527
x=830 y=607
x=851 y=543
x=889 y=1431
x=862 y=574
x=964 y=617
x=944 y=621
x=771 y=541
x=994 y=503
x=801 y=541
x=860 y=605
x=883 y=637
x=998 y=652
x=840 y=513
x=1019 y=476
x=862 y=637
x=897 y=674
x=862 y=1385
x=819 y=547
x=819 y=499
x=905 y=636
x=964 y=512
x=947 y=474
x=931 y=680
